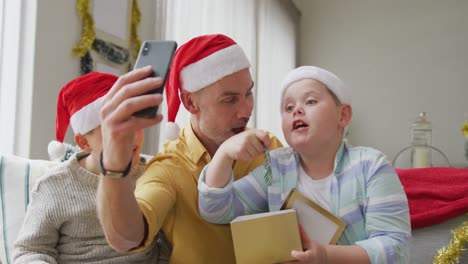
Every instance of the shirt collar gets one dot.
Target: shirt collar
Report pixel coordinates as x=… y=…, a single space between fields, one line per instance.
x=194 y=146
x=340 y=154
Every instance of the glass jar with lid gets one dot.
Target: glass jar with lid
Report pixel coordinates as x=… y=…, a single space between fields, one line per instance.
x=421 y=140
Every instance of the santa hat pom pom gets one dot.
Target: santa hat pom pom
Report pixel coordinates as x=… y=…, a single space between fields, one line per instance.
x=170 y=131
x=57 y=150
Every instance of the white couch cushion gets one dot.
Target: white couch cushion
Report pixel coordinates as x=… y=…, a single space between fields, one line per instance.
x=17 y=176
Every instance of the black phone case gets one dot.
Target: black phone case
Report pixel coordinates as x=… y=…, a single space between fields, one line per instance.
x=158 y=54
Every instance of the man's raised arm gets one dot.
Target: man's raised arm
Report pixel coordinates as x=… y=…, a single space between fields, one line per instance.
x=118 y=210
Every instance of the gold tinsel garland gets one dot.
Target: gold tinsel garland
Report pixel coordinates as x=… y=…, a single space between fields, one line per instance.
x=464 y=129
x=134 y=39
x=87 y=29
x=88 y=34
x=451 y=253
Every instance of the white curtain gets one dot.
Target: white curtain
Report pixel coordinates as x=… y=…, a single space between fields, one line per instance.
x=264 y=29
x=17 y=32
x=276 y=55
x=9 y=39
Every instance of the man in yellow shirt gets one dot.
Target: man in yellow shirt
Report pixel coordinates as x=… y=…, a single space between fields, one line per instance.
x=211 y=73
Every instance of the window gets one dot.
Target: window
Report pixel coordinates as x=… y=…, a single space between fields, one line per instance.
x=17 y=27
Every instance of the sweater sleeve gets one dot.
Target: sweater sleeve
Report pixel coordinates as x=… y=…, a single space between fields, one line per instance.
x=38 y=236
x=386 y=215
x=245 y=196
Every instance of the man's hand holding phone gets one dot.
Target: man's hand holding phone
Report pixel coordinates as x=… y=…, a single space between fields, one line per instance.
x=130 y=94
x=133 y=101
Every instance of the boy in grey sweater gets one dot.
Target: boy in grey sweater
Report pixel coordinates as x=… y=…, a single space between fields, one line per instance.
x=61 y=223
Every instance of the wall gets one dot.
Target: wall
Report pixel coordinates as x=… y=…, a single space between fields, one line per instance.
x=58 y=29
x=400 y=58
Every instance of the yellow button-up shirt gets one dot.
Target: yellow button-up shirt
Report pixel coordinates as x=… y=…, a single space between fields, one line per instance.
x=168 y=197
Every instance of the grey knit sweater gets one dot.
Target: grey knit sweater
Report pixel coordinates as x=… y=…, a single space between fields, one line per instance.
x=61 y=224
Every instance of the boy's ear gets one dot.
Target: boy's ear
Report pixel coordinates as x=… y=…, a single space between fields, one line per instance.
x=189 y=100
x=82 y=142
x=346 y=113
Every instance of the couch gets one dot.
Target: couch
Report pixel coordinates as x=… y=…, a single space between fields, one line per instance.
x=17 y=176
x=438 y=203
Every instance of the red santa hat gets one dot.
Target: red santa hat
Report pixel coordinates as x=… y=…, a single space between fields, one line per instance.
x=78 y=105
x=197 y=64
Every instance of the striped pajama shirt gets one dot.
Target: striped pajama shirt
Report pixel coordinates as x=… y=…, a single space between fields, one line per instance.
x=365 y=192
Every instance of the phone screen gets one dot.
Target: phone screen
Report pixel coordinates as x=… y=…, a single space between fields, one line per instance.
x=158 y=54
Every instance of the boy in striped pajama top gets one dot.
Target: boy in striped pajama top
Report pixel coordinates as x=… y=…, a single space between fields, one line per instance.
x=357 y=184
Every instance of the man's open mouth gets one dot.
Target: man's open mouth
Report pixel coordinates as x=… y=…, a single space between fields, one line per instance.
x=238 y=130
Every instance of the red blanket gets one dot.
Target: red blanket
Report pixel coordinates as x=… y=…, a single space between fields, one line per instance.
x=435 y=194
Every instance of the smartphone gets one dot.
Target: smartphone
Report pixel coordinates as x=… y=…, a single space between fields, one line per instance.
x=158 y=54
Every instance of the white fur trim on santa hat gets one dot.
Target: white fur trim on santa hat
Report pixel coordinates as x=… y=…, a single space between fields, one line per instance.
x=213 y=68
x=87 y=118
x=56 y=150
x=170 y=131
x=329 y=79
